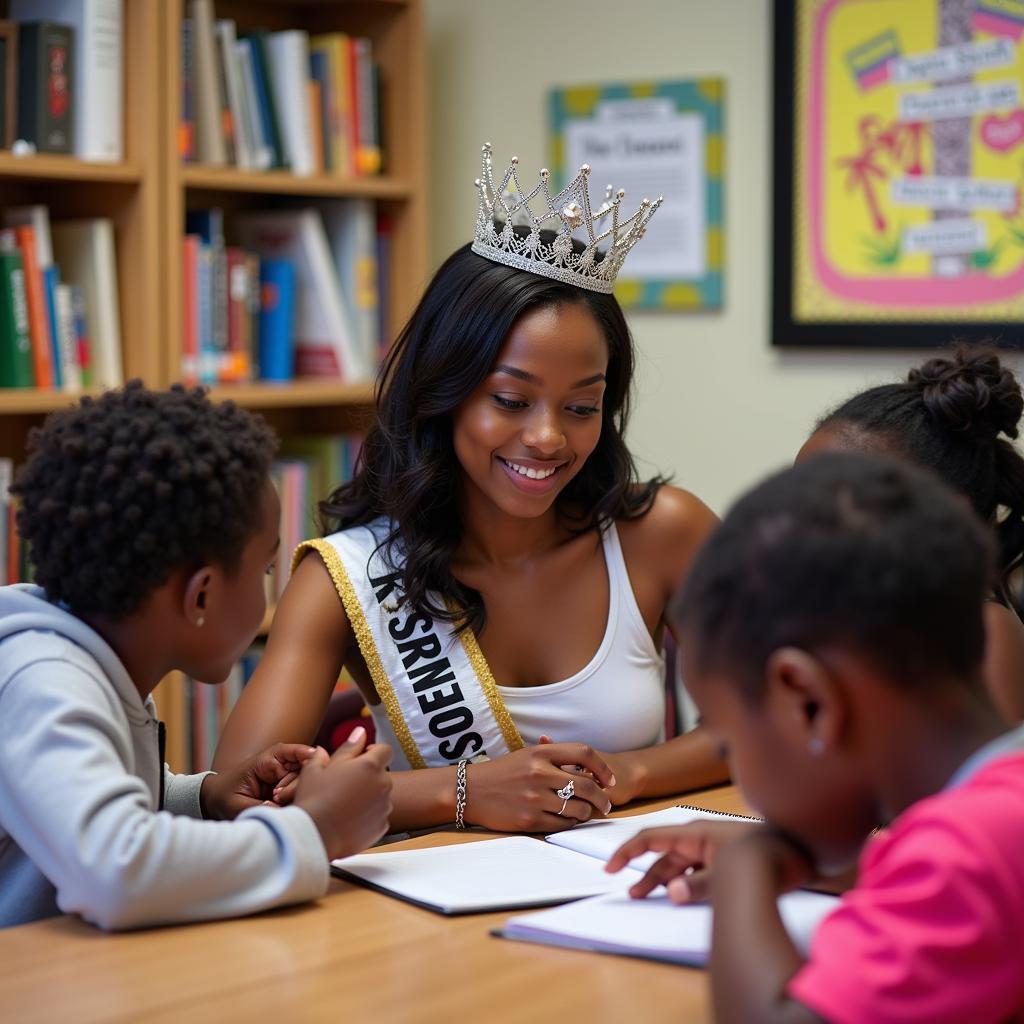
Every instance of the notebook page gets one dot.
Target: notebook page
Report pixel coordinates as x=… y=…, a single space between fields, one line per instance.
x=602 y=837
x=494 y=874
x=654 y=927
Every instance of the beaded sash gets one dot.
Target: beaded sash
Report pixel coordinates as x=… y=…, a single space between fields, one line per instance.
x=437 y=690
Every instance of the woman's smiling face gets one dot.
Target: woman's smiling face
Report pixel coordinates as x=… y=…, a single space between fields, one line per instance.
x=529 y=427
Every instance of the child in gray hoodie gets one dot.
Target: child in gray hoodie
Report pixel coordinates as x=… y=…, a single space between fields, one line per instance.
x=151 y=521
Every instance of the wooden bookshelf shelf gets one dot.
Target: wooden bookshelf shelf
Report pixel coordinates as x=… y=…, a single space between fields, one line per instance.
x=296 y=393
x=43 y=167
x=38 y=400
x=230 y=180
x=146 y=195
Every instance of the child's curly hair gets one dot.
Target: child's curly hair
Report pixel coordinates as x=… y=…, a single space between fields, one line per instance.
x=121 y=490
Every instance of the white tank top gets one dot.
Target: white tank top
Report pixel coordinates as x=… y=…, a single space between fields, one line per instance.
x=615 y=702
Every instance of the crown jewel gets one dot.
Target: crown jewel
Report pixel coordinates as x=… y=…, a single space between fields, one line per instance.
x=505 y=206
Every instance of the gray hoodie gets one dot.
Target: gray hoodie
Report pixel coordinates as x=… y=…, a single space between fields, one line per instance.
x=80 y=826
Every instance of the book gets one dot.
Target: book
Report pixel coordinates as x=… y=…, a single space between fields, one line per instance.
x=210 y=144
x=15 y=339
x=277 y=320
x=8 y=84
x=320 y=72
x=653 y=928
x=368 y=155
x=190 y=309
x=38 y=317
x=325 y=345
x=84 y=250
x=98 y=70
x=513 y=872
x=288 y=55
x=187 y=116
x=335 y=48
x=261 y=151
x=228 y=55
x=352 y=231
x=83 y=345
x=265 y=101
x=51 y=281
x=67 y=338
x=227 y=117
x=45 y=91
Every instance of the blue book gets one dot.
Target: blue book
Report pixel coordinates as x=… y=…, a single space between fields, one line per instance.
x=51 y=278
x=277 y=320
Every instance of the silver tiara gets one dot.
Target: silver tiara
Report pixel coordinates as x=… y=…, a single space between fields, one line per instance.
x=505 y=207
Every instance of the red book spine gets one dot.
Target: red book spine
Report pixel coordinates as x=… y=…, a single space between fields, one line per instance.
x=38 y=318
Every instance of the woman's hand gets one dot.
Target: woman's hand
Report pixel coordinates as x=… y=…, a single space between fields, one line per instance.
x=628 y=778
x=690 y=853
x=516 y=793
x=227 y=794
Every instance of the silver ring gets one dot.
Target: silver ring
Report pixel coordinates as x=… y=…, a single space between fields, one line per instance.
x=567 y=791
x=564 y=805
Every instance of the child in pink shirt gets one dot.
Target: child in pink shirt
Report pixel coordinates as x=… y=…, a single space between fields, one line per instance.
x=832 y=638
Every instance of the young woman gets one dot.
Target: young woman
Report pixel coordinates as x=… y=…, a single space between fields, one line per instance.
x=497 y=577
x=833 y=639
x=956 y=415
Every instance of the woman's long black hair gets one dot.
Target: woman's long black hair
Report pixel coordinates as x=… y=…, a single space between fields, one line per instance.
x=407 y=468
x=957 y=414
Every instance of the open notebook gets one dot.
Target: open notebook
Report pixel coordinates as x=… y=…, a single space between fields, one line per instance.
x=515 y=872
x=653 y=928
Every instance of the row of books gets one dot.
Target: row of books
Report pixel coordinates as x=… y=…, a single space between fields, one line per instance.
x=59 y=319
x=63 y=62
x=295 y=293
x=14 y=565
x=205 y=709
x=308 y=470
x=277 y=99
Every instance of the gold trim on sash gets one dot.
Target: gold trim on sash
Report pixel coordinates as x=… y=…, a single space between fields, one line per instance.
x=354 y=610
x=483 y=673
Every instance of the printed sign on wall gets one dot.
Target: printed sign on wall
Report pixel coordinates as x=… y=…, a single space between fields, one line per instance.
x=653 y=139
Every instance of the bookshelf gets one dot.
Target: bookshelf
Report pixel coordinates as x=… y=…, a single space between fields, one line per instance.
x=128 y=192
x=146 y=195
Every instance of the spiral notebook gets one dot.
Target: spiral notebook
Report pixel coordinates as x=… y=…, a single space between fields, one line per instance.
x=513 y=872
x=653 y=928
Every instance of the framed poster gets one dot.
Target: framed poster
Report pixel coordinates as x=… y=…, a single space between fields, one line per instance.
x=899 y=172
x=653 y=139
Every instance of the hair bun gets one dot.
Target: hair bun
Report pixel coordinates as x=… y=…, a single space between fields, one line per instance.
x=971 y=392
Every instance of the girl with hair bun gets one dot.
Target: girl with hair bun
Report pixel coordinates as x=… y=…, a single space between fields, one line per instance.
x=956 y=415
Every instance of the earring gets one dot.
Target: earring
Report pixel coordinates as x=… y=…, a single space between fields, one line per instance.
x=816 y=746
x=200 y=622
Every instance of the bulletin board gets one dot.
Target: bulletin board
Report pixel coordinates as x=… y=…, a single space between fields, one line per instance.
x=898 y=172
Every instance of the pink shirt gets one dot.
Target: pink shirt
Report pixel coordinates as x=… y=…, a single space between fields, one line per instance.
x=934 y=929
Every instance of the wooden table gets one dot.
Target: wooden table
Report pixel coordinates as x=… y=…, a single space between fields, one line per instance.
x=353 y=956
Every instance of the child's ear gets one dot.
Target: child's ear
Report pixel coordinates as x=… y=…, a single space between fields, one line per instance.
x=197 y=591
x=808 y=704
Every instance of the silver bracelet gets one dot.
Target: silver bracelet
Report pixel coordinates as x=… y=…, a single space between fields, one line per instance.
x=460 y=794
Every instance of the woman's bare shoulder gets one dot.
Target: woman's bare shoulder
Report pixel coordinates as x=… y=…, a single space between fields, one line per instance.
x=666 y=539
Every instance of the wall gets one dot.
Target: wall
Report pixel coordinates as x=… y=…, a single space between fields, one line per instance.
x=716 y=406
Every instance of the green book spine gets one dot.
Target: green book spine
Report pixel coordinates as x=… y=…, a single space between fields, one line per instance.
x=15 y=341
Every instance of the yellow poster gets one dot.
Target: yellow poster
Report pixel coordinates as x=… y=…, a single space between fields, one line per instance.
x=909 y=161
